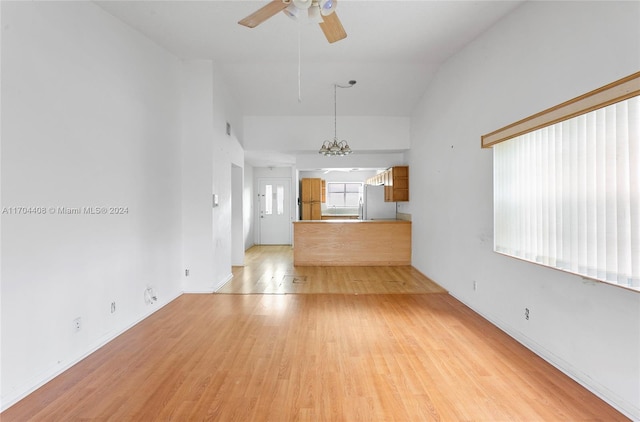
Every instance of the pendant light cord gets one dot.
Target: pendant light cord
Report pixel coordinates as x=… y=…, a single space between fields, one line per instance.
x=299 y=65
x=335 y=106
x=335 y=113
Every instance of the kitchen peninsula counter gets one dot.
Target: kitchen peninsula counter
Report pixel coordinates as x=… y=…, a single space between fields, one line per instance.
x=351 y=242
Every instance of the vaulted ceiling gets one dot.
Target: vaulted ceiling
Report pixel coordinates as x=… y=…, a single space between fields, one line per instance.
x=281 y=67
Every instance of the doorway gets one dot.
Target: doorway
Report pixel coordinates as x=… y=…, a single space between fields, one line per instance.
x=274 y=213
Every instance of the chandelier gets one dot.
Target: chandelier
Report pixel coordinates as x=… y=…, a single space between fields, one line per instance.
x=335 y=147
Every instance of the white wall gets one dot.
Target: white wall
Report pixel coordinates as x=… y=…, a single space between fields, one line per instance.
x=197 y=176
x=227 y=152
x=303 y=133
x=207 y=157
x=248 y=206
x=539 y=56
x=94 y=114
x=359 y=159
x=90 y=117
x=237 y=216
x=339 y=176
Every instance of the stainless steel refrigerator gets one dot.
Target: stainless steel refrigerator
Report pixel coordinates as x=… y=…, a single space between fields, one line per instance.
x=374 y=207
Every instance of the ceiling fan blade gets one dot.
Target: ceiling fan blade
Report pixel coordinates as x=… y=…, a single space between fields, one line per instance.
x=264 y=13
x=332 y=28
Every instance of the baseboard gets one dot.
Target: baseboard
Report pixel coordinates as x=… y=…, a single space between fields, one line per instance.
x=215 y=287
x=223 y=282
x=36 y=382
x=615 y=401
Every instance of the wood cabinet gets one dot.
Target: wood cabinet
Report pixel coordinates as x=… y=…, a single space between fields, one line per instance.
x=397 y=188
x=311 y=198
x=311 y=190
x=395 y=181
x=311 y=211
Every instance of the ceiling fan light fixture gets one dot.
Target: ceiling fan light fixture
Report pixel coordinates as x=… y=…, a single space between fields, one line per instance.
x=302 y=4
x=293 y=12
x=327 y=7
x=303 y=12
x=314 y=14
x=304 y=15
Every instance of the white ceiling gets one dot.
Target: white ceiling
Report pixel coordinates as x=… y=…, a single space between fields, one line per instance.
x=392 y=49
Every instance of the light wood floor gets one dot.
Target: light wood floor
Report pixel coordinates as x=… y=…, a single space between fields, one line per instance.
x=313 y=357
x=269 y=269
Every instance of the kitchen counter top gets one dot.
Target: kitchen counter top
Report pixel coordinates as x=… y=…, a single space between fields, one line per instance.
x=337 y=216
x=346 y=220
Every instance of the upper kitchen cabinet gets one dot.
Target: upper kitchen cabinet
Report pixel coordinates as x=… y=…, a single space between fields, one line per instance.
x=398 y=188
x=311 y=194
x=311 y=190
x=395 y=181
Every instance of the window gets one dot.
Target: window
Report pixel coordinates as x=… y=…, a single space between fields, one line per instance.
x=567 y=194
x=270 y=197
x=343 y=194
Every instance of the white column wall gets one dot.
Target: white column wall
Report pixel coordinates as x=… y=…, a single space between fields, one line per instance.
x=207 y=157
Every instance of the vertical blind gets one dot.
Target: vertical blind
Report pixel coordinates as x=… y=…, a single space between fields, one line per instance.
x=568 y=195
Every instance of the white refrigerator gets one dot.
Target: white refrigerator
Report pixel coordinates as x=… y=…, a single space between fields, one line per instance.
x=374 y=207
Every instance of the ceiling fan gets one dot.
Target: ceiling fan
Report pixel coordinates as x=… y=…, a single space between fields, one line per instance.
x=319 y=11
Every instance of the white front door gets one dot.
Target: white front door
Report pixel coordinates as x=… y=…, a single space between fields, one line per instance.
x=274 y=219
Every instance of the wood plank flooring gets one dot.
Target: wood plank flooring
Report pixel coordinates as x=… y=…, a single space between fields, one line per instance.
x=269 y=269
x=312 y=357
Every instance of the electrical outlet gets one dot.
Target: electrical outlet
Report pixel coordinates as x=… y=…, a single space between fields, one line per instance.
x=150 y=296
x=77 y=324
x=186 y=273
x=113 y=307
x=526 y=314
x=475 y=285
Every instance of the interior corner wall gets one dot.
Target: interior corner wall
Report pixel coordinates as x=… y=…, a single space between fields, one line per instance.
x=227 y=152
x=540 y=55
x=208 y=154
x=90 y=148
x=197 y=176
